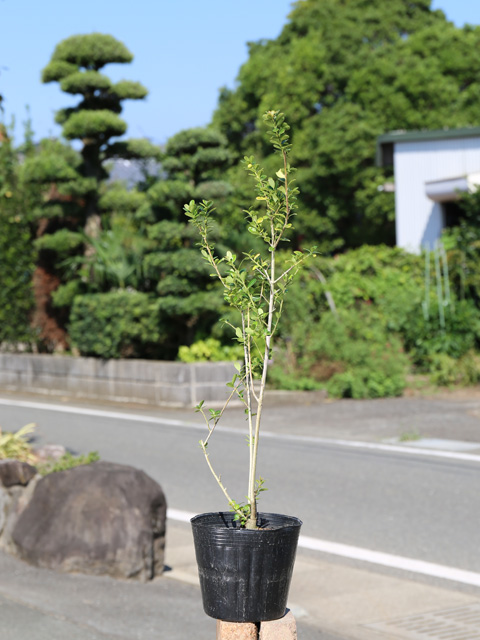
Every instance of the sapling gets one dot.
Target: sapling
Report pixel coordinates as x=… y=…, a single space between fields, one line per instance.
x=256 y=286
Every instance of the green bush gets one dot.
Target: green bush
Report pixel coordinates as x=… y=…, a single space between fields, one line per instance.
x=374 y=363
x=446 y=371
x=388 y=279
x=424 y=338
x=281 y=379
x=352 y=354
x=365 y=382
x=118 y=324
x=385 y=280
x=379 y=294
x=210 y=350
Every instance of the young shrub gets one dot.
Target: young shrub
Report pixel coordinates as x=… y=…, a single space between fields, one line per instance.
x=255 y=286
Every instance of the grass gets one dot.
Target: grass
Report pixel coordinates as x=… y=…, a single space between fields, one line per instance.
x=409 y=436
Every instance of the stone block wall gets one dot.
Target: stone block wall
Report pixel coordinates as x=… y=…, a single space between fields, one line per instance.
x=175 y=384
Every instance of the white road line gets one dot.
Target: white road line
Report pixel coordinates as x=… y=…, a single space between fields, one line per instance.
x=392 y=561
x=353 y=444
x=101 y=413
x=181 y=516
x=373 y=557
x=375 y=446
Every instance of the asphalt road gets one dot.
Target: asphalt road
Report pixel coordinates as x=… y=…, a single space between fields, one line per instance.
x=418 y=507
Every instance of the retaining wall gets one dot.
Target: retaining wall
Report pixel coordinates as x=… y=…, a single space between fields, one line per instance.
x=174 y=384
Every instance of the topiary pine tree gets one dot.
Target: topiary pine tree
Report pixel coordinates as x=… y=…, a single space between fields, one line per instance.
x=194 y=164
x=95 y=120
x=74 y=183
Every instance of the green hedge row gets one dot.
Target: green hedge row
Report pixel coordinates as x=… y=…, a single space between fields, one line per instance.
x=118 y=324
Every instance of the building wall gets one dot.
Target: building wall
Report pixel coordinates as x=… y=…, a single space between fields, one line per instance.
x=419 y=220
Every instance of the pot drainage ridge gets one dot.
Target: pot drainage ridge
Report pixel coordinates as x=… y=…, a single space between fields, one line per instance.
x=461 y=623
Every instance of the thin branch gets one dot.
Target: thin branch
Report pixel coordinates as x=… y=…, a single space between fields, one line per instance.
x=214 y=264
x=217 y=419
x=287 y=271
x=219 y=480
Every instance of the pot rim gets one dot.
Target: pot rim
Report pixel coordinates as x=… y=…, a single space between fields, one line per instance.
x=207 y=520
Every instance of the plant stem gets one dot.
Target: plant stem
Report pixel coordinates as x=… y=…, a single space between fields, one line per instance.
x=218 y=479
x=252 y=498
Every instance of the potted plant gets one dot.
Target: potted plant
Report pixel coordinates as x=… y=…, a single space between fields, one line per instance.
x=246 y=558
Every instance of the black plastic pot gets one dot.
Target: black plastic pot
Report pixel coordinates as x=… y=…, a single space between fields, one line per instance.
x=245 y=574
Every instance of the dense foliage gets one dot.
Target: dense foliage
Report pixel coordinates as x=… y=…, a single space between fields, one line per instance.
x=119 y=324
x=113 y=271
x=374 y=328
x=16 y=249
x=79 y=218
x=347 y=71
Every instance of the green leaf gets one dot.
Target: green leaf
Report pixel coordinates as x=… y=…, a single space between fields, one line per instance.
x=199 y=406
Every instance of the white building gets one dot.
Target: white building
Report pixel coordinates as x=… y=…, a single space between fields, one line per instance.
x=431 y=169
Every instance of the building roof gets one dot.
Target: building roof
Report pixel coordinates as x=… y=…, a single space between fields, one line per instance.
x=429 y=134
x=386 y=141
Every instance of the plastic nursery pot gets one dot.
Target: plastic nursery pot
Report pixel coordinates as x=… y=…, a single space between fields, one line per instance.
x=245 y=574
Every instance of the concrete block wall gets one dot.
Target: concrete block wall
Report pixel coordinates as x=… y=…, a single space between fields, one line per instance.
x=175 y=384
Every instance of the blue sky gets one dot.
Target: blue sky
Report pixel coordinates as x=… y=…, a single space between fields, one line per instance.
x=185 y=50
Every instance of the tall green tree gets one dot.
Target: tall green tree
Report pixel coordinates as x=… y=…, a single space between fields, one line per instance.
x=79 y=209
x=16 y=247
x=346 y=71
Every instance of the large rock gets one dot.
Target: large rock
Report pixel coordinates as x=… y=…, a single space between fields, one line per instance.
x=101 y=518
x=5 y=501
x=13 y=500
x=14 y=472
